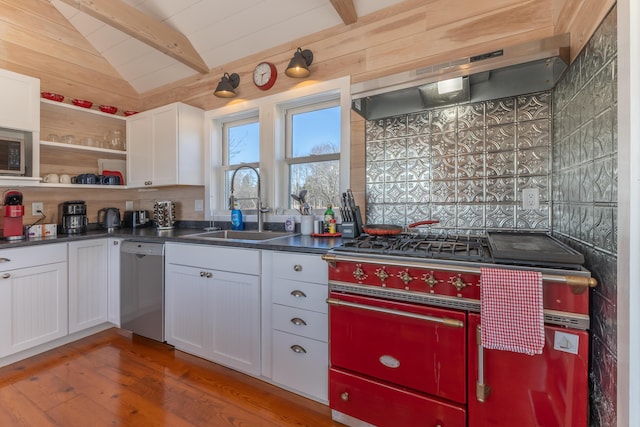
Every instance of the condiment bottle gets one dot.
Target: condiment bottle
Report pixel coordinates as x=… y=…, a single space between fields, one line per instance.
x=328 y=216
x=332 y=226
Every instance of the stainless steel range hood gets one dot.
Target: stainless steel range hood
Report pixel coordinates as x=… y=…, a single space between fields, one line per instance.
x=516 y=70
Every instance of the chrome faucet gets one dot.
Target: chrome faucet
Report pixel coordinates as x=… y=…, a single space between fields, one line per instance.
x=261 y=209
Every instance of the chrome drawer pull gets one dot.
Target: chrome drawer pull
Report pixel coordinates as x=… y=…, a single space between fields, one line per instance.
x=297 y=267
x=298 y=349
x=298 y=294
x=440 y=320
x=482 y=389
x=5 y=260
x=6 y=275
x=202 y=273
x=345 y=396
x=298 y=322
x=208 y=275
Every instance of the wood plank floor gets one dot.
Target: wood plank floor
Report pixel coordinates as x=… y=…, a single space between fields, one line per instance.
x=114 y=379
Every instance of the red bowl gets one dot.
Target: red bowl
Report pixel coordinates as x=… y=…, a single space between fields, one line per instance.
x=130 y=113
x=82 y=103
x=52 y=96
x=108 y=109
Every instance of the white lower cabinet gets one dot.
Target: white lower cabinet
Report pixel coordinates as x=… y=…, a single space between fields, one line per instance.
x=298 y=326
x=213 y=303
x=88 y=283
x=33 y=296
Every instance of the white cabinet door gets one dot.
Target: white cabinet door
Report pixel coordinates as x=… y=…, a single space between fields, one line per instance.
x=139 y=149
x=165 y=147
x=234 y=320
x=20 y=102
x=88 y=284
x=213 y=305
x=33 y=306
x=113 y=305
x=185 y=303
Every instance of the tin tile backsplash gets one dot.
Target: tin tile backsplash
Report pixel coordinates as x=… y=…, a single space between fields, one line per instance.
x=584 y=187
x=465 y=165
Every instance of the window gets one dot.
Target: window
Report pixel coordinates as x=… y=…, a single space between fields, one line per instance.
x=241 y=147
x=297 y=139
x=313 y=153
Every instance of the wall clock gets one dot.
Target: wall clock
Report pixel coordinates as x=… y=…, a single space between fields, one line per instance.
x=264 y=75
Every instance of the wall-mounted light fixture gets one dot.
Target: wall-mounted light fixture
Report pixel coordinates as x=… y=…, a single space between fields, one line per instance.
x=299 y=64
x=228 y=83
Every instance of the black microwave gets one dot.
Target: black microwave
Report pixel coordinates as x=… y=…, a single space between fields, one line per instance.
x=12 y=156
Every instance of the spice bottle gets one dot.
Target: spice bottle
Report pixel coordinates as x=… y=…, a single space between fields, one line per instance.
x=328 y=216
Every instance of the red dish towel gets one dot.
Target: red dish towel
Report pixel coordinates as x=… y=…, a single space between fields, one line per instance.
x=511 y=310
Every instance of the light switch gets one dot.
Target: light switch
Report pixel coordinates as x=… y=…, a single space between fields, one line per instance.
x=198 y=206
x=128 y=205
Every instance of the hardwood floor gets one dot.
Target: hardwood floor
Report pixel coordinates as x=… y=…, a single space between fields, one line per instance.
x=114 y=379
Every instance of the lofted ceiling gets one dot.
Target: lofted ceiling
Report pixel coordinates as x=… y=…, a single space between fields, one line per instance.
x=151 y=43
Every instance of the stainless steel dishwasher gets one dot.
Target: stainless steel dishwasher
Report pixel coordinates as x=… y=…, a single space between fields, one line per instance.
x=142 y=288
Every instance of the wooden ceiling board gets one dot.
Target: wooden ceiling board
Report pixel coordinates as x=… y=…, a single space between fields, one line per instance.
x=149 y=30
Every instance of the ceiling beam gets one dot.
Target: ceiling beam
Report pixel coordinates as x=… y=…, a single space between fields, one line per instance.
x=346 y=10
x=148 y=30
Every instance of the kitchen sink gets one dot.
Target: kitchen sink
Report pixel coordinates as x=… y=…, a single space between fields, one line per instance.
x=255 y=236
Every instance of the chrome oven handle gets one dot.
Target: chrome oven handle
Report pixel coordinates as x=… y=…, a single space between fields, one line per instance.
x=482 y=389
x=440 y=320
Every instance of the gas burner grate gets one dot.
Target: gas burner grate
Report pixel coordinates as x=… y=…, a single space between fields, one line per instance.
x=418 y=245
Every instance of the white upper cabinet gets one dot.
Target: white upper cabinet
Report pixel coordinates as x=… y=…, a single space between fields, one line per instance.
x=20 y=102
x=165 y=147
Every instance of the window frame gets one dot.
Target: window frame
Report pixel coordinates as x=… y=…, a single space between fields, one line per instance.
x=271 y=110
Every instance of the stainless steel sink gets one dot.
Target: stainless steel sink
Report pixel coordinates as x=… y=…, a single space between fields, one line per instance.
x=254 y=236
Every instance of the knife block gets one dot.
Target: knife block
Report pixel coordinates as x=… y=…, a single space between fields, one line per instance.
x=351 y=230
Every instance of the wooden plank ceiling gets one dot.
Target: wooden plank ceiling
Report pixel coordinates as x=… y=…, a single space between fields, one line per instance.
x=143 y=39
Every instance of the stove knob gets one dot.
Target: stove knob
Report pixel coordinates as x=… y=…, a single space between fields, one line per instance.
x=405 y=276
x=430 y=279
x=359 y=273
x=457 y=282
x=382 y=274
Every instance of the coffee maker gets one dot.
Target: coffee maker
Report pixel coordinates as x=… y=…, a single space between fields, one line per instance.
x=12 y=214
x=73 y=215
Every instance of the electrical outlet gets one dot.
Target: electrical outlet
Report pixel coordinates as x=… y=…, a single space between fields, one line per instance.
x=530 y=198
x=35 y=207
x=128 y=205
x=199 y=206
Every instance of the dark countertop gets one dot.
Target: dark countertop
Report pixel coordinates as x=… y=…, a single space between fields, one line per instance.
x=295 y=243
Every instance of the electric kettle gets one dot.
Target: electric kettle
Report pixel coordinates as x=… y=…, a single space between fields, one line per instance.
x=109 y=218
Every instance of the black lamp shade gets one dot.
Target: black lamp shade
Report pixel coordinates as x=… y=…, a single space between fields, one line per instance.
x=228 y=83
x=299 y=64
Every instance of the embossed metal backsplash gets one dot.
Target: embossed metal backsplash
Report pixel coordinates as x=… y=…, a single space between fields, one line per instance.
x=465 y=165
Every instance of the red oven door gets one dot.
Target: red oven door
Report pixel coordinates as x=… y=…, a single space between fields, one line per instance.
x=549 y=389
x=419 y=347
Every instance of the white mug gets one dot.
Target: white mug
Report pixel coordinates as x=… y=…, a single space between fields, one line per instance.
x=52 y=178
x=65 y=179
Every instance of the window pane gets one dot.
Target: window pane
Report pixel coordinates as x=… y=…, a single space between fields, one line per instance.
x=316 y=132
x=245 y=188
x=320 y=179
x=243 y=143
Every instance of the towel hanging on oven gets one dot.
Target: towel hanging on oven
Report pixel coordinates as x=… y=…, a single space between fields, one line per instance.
x=511 y=310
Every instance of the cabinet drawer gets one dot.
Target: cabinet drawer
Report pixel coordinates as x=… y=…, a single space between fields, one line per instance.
x=306 y=369
x=304 y=295
x=306 y=323
x=11 y=259
x=308 y=268
x=222 y=258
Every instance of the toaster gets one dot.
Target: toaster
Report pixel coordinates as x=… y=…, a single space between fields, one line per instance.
x=136 y=219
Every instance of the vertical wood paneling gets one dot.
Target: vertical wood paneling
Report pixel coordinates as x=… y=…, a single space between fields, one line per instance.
x=38 y=304
x=88 y=288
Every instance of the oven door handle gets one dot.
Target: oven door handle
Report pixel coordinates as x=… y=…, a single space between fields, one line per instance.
x=440 y=320
x=482 y=389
